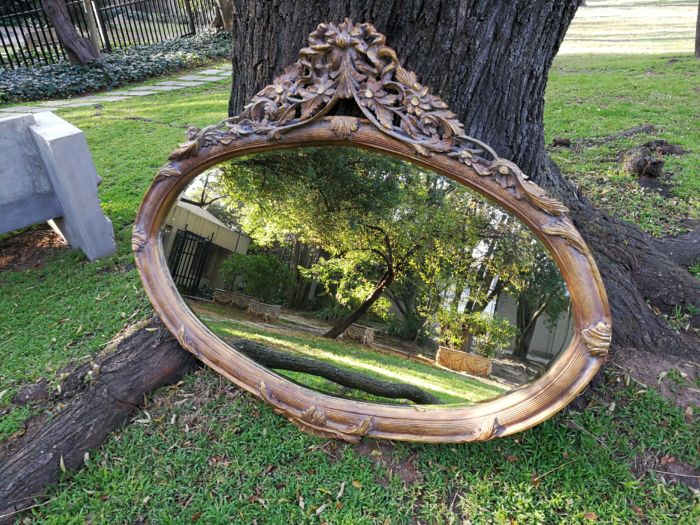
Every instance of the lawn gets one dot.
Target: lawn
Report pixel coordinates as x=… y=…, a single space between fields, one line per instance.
x=447 y=386
x=204 y=452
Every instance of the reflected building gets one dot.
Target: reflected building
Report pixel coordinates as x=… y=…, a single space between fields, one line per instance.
x=195 y=244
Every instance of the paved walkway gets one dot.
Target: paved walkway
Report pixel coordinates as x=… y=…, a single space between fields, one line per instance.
x=197 y=78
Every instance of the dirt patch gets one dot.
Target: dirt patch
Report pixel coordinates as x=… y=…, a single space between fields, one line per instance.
x=382 y=453
x=667 y=468
x=29 y=249
x=675 y=378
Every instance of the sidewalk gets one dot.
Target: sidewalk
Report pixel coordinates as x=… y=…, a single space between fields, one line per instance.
x=197 y=78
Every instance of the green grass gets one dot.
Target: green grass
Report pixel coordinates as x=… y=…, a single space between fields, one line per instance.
x=447 y=386
x=591 y=97
x=228 y=459
x=67 y=310
x=215 y=455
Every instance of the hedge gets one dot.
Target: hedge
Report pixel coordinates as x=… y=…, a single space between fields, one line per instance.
x=112 y=70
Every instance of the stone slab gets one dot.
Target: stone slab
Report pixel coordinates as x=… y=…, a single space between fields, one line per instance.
x=23 y=109
x=172 y=83
x=156 y=88
x=55 y=103
x=77 y=105
x=74 y=179
x=23 y=176
x=196 y=78
x=134 y=93
x=209 y=72
x=110 y=98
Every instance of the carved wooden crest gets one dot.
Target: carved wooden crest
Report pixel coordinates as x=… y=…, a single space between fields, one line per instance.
x=350 y=61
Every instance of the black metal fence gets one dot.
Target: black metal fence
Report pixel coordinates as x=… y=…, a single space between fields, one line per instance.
x=188 y=258
x=27 y=37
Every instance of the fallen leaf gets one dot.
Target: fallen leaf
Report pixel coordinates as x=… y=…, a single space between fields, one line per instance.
x=301 y=503
x=661 y=376
x=341 y=491
x=667 y=460
x=61 y=464
x=196 y=516
x=590 y=516
x=321 y=509
x=688 y=414
x=356 y=484
x=512 y=459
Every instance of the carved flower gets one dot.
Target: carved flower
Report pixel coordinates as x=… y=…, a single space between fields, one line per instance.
x=283 y=86
x=323 y=89
x=374 y=97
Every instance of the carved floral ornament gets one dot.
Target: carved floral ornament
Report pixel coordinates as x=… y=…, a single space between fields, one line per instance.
x=352 y=62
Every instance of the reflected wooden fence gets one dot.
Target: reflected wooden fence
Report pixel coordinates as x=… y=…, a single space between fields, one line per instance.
x=27 y=37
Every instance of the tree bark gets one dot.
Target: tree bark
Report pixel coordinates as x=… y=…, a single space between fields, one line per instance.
x=489 y=60
x=141 y=362
x=284 y=361
x=80 y=50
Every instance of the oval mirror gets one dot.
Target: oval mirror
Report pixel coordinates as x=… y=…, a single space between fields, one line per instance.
x=382 y=275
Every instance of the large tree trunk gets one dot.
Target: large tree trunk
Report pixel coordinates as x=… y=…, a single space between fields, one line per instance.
x=489 y=59
x=279 y=360
x=80 y=50
x=97 y=400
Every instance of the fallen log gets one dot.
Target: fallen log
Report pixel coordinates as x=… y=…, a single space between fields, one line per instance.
x=145 y=359
x=279 y=360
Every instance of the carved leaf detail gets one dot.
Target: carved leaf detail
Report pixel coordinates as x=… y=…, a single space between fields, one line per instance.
x=185 y=150
x=362 y=429
x=168 y=171
x=343 y=127
x=597 y=339
x=489 y=430
x=313 y=416
x=138 y=239
x=565 y=229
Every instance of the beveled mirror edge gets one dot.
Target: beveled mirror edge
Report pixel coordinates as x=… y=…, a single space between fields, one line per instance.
x=350 y=420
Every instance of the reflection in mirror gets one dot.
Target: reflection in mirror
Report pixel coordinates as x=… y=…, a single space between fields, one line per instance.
x=366 y=277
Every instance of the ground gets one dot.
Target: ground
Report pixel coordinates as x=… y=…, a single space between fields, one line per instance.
x=215 y=455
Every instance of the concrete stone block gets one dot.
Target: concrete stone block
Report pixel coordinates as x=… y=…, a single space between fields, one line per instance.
x=47 y=174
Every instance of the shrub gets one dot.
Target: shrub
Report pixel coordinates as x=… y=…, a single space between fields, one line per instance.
x=112 y=70
x=489 y=333
x=266 y=277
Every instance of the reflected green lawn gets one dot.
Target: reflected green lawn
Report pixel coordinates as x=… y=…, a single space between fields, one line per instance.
x=449 y=387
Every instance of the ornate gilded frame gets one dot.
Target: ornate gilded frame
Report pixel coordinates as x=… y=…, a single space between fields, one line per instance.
x=401 y=118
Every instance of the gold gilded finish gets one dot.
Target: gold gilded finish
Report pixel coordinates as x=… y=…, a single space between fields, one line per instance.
x=597 y=339
x=403 y=119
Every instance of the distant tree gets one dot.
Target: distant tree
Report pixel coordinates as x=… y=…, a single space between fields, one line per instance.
x=542 y=293
x=79 y=49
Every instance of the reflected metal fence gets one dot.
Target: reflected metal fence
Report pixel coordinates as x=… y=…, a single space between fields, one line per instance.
x=27 y=37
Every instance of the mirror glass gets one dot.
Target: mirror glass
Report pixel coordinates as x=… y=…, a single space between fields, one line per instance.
x=363 y=276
